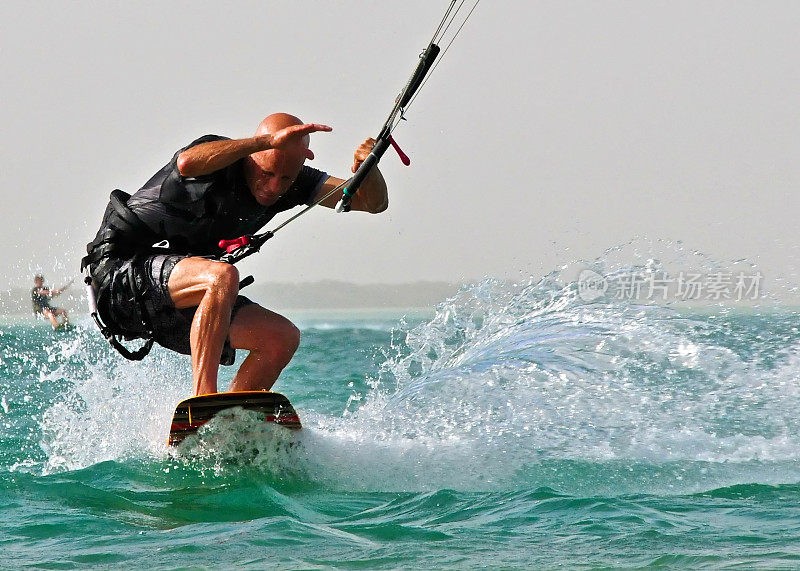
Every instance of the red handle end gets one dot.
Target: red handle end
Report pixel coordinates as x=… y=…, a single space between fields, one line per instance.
x=403 y=157
x=231 y=245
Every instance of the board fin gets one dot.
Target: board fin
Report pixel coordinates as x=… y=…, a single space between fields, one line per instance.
x=194 y=412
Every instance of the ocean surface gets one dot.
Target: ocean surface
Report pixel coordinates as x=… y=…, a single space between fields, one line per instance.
x=519 y=426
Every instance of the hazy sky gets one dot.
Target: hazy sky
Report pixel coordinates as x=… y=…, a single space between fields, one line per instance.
x=550 y=131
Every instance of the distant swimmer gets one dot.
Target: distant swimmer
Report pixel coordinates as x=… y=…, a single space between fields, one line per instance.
x=152 y=265
x=40 y=297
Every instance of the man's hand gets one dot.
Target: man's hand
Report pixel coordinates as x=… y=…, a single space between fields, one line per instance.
x=361 y=154
x=371 y=197
x=296 y=136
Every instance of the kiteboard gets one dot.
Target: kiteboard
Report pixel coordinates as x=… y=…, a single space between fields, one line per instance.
x=194 y=412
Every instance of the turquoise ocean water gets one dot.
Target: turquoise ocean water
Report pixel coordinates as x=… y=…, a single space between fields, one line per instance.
x=518 y=427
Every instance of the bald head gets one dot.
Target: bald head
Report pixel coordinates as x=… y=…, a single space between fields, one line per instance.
x=277 y=121
x=270 y=173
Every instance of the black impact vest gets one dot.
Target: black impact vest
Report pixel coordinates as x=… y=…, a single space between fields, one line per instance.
x=186 y=215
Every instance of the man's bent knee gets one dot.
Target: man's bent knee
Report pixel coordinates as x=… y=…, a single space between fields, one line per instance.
x=193 y=278
x=225 y=278
x=282 y=345
x=282 y=340
x=292 y=338
x=258 y=329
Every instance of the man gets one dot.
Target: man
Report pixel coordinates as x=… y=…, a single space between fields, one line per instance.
x=214 y=189
x=40 y=297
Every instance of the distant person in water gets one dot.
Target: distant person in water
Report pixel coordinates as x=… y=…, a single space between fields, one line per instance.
x=40 y=296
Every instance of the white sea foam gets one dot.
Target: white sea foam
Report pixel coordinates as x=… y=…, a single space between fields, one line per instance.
x=109 y=409
x=505 y=377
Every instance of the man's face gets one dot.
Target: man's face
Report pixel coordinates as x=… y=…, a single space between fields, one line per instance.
x=38 y=282
x=271 y=173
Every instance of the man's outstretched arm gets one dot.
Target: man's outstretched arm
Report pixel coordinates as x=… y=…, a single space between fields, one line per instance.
x=212 y=156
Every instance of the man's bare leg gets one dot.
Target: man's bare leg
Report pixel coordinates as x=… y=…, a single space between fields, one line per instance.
x=212 y=287
x=60 y=312
x=49 y=315
x=271 y=339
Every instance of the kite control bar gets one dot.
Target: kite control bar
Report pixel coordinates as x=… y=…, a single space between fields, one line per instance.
x=239 y=248
x=243 y=246
x=384 y=138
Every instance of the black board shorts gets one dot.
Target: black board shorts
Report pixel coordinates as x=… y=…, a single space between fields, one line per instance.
x=151 y=307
